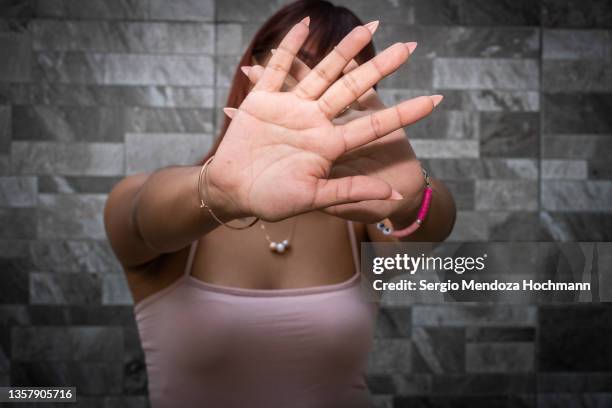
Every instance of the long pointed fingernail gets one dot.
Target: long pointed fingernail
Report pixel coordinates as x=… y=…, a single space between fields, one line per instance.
x=306 y=20
x=246 y=69
x=230 y=112
x=372 y=26
x=436 y=99
x=395 y=195
x=411 y=46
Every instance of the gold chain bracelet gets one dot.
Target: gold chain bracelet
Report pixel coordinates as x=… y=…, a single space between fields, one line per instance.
x=204 y=170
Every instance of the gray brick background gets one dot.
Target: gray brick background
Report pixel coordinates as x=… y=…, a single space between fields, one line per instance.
x=92 y=90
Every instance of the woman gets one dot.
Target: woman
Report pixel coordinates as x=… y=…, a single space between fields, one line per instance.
x=271 y=316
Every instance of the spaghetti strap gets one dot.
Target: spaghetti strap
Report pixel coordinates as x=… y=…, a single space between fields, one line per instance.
x=354 y=248
x=192 y=251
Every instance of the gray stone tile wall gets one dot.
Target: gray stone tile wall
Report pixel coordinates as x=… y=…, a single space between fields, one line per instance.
x=93 y=90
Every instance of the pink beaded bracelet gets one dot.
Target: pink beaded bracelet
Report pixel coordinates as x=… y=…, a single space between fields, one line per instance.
x=423 y=210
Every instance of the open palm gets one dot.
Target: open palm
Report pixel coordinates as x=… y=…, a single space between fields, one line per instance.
x=276 y=157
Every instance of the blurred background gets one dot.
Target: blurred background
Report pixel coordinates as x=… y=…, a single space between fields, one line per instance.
x=93 y=90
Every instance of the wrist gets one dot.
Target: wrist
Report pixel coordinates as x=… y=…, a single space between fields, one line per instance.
x=218 y=197
x=407 y=210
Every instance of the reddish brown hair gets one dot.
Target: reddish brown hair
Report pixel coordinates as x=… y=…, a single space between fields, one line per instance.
x=328 y=25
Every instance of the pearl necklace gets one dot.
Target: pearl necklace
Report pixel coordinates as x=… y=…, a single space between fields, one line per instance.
x=282 y=246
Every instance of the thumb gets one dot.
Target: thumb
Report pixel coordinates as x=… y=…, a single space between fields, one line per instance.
x=352 y=189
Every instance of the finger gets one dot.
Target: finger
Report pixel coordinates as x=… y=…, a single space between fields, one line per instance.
x=370 y=99
x=255 y=73
x=298 y=69
x=330 y=67
x=380 y=123
x=354 y=84
x=352 y=189
x=280 y=62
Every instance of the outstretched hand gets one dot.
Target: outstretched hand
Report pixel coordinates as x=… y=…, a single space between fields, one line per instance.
x=275 y=160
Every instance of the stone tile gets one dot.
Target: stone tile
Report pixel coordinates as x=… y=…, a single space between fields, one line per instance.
x=104 y=159
x=77 y=184
x=167 y=120
x=124 y=69
x=466 y=73
x=5 y=129
x=68 y=123
x=387 y=11
x=390 y=356
x=578 y=226
x=457 y=315
x=393 y=322
x=576 y=146
x=463 y=41
x=416 y=73
x=575 y=44
x=516 y=226
x=70 y=67
x=482 y=12
x=460 y=385
x=576 y=315
x=71 y=216
x=16 y=54
x=400 y=384
x=5 y=164
x=509 y=134
x=493 y=168
x=186 y=10
x=90 y=378
x=17 y=223
x=128 y=37
x=469 y=226
x=599 y=168
x=81 y=315
x=574 y=382
x=126 y=401
x=576 y=76
x=229 y=39
x=584 y=14
x=463 y=193
x=48 y=93
x=493 y=100
x=509 y=195
x=564 y=169
x=64 y=288
x=150 y=151
x=115 y=290
x=500 y=357
x=438 y=350
x=226 y=69
x=32 y=157
x=77 y=343
x=445 y=124
x=445 y=149
x=14 y=289
x=95 y=9
x=18 y=191
x=576 y=113
x=564 y=399
x=132 y=69
x=472 y=401
x=500 y=334
x=564 y=348
x=561 y=195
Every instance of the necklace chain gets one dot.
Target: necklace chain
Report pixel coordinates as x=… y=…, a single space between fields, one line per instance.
x=282 y=246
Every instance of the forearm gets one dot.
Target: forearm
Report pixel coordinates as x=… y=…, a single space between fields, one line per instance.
x=440 y=219
x=167 y=210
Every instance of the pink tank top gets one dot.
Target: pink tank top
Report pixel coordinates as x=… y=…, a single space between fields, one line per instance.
x=208 y=345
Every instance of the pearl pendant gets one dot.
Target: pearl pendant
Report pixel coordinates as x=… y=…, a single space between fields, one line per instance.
x=279 y=247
